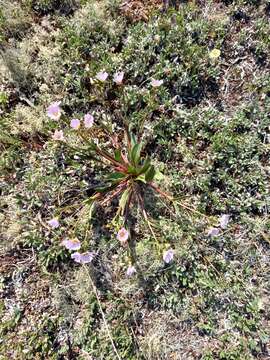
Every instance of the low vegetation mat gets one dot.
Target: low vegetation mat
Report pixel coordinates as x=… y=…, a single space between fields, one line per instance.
x=134 y=179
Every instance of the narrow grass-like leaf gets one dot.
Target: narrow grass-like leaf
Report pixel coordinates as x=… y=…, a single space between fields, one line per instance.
x=123 y=201
x=133 y=140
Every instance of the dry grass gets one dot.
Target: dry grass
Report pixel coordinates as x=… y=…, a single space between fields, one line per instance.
x=136 y=10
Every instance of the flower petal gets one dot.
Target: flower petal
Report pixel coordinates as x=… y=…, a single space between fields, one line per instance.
x=122 y=235
x=54 y=223
x=168 y=256
x=87 y=257
x=75 y=124
x=156 y=83
x=88 y=120
x=213 y=231
x=102 y=76
x=224 y=220
x=58 y=135
x=83 y=258
x=71 y=244
x=118 y=77
x=54 y=111
x=131 y=270
x=76 y=257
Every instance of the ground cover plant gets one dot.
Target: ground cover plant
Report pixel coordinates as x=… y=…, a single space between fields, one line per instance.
x=134 y=179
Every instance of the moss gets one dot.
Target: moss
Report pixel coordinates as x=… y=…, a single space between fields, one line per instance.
x=15 y=20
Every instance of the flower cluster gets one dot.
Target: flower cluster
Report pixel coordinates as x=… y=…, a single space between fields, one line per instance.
x=118 y=78
x=123 y=236
x=73 y=245
x=54 y=110
x=88 y=122
x=128 y=165
x=223 y=223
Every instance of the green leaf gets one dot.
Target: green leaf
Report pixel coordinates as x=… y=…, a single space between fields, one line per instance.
x=133 y=140
x=150 y=173
x=117 y=155
x=141 y=178
x=123 y=201
x=135 y=153
x=146 y=165
x=116 y=176
x=132 y=170
x=91 y=209
x=159 y=175
x=92 y=145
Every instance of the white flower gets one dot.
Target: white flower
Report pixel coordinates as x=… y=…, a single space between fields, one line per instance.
x=71 y=244
x=131 y=270
x=156 y=83
x=102 y=76
x=83 y=258
x=168 y=256
x=213 y=231
x=122 y=235
x=54 y=223
x=224 y=220
x=54 y=111
x=75 y=124
x=88 y=120
x=58 y=135
x=118 y=77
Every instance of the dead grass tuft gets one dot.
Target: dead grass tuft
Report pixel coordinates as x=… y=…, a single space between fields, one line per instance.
x=136 y=10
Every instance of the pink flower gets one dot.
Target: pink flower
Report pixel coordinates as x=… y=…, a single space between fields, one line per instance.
x=168 y=256
x=54 y=223
x=54 y=111
x=83 y=258
x=71 y=244
x=224 y=220
x=58 y=135
x=118 y=77
x=75 y=124
x=131 y=270
x=88 y=120
x=102 y=76
x=213 y=231
x=122 y=235
x=156 y=83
